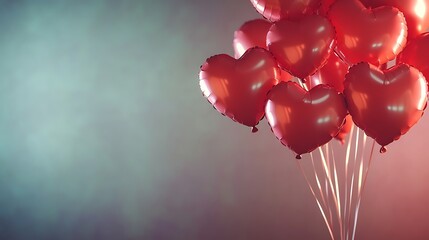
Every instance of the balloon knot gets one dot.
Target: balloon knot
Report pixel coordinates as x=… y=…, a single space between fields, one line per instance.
x=383 y=149
x=298 y=156
x=254 y=129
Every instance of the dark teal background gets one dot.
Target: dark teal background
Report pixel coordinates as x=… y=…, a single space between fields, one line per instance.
x=104 y=134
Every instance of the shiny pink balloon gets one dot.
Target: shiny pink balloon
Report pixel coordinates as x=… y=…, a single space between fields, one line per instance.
x=238 y=88
x=301 y=46
x=304 y=120
x=416 y=13
x=368 y=35
x=254 y=34
x=332 y=74
x=416 y=54
x=275 y=10
x=385 y=104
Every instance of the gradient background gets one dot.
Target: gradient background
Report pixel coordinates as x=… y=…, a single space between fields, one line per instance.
x=104 y=134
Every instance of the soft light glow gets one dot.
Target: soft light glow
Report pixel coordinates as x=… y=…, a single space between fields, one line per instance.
x=420 y=9
x=294 y=53
x=323 y=120
x=256 y=86
x=240 y=49
x=259 y=7
x=423 y=93
x=395 y=108
x=321 y=29
x=350 y=41
x=269 y=114
x=377 y=45
x=320 y=100
x=204 y=88
x=377 y=79
x=400 y=41
x=260 y=64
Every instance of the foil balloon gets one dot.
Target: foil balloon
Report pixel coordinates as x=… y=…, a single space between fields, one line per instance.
x=416 y=54
x=304 y=120
x=275 y=10
x=238 y=88
x=368 y=35
x=254 y=34
x=385 y=104
x=416 y=13
x=333 y=74
x=325 y=6
x=251 y=34
x=301 y=46
x=345 y=129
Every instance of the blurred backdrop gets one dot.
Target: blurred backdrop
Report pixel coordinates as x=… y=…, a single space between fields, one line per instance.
x=104 y=134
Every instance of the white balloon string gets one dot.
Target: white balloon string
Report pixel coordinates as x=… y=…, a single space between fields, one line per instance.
x=328 y=183
x=361 y=164
x=334 y=195
x=315 y=197
x=363 y=185
x=349 y=144
x=316 y=176
x=342 y=230
x=352 y=183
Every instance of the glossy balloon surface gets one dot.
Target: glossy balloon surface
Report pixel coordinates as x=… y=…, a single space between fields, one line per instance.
x=305 y=120
x=332 y=74
x=251 y=34
x=275 y=10
x=416 y=13
x=254 y=34
x=325 y=5
x=385 y=104
x=416 y=54
x=238 y=88
x=368 y=35
x=301 y=46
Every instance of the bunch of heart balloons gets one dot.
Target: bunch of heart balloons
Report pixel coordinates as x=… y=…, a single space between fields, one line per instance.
x=315 y=67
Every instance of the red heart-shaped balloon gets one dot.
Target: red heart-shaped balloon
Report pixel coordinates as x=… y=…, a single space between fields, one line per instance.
x=368 y=35
x=325 y=6
x=415 y=12
x=301 y=46
x=254 y=34
x=305 y=120
x=416 y=54
x=238 y=88
x=385 y=104
x=275 y=10
x=332 y=74
x=251 y=34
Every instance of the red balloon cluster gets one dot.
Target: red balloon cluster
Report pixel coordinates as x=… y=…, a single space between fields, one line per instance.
x=316 y=66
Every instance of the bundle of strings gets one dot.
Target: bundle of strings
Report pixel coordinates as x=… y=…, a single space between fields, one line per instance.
x=336 y=176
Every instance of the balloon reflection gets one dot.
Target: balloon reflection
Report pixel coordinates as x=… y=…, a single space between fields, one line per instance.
x=394 y=108
x=416 y=54
x=368 y=35
x=238 y=88
x=420 y=10
x=252 y=34
x=415 y=12
x=301 y=46
x=385 y=104
x=305 y=120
